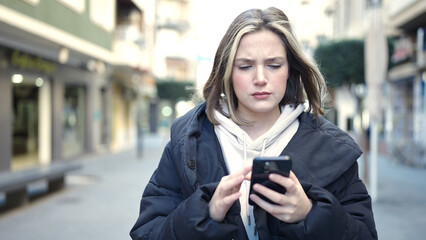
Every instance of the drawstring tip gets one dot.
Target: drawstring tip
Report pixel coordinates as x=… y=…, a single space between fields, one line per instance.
x=249 y=220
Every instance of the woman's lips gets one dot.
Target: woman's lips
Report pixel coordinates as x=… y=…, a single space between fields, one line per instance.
x=261 y=95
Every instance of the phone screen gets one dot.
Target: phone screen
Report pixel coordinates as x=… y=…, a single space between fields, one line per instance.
x=262 y=167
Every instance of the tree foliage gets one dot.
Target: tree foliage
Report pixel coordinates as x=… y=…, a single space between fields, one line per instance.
x=341 y=62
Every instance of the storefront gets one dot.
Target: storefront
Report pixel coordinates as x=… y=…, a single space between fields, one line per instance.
x=402 y=102
x=50 y=111
x=405 y=129
x=25 y=82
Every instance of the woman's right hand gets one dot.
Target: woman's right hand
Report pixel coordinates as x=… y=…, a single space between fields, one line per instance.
x=227 y=192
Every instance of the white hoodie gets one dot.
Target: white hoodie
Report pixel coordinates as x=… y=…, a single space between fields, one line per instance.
x=239 y=150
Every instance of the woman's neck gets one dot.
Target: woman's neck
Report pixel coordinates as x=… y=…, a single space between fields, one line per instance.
x=259 y=123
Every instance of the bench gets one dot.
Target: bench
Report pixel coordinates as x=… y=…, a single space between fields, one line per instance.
x=14 y=185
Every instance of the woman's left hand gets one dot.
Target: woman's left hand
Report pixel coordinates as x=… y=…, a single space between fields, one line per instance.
x=291 y=207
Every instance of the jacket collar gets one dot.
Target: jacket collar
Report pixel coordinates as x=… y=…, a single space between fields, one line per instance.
x=321 y=152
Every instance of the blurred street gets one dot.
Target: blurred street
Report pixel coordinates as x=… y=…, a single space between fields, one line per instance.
x=401 y=205
x=101 y=200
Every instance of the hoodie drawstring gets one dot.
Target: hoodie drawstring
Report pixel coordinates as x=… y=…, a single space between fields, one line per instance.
x=262 y=153
x=263 y=147
x=246 y=182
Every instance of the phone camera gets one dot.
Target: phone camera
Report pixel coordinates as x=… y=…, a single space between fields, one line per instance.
x=266 y=167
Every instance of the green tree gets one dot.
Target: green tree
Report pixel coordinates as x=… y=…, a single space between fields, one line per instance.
x=341 y=62
x=174 y=91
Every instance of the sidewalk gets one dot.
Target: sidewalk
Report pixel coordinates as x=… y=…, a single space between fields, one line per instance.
x=100 y=201
x=400 y=209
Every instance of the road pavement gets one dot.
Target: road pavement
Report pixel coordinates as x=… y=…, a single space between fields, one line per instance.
x=101 y=201
x=400 y=210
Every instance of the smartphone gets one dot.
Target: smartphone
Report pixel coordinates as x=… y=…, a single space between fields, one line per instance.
x=262 y=167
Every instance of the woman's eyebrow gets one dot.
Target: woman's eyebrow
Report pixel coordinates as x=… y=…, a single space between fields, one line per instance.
x=272 y=59
x=276 y=59
x=244 y=60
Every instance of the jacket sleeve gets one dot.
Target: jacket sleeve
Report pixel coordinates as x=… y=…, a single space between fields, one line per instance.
x=341 y=210
x=165 y=213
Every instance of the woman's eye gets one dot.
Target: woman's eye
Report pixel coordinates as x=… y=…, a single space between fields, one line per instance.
x=244 y=67
x=274 y=66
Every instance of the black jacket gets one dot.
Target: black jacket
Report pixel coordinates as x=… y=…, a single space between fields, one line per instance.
x=174 y=204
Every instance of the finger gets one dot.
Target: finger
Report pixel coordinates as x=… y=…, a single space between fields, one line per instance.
x=246 y=170
x=297 y=186
x=230 y=199
x=286 y=182
x=293 y=177
x=272 y=195
x=269 y=207
x=243 y=171
x=259 y=201
x=248 y=176
x=281 y=212
x=230 y=183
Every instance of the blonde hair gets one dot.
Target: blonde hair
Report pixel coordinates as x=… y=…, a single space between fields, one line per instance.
x=305 y=79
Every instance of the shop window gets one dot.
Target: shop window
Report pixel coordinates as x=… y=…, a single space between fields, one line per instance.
x=25 y=126
x=74 y=116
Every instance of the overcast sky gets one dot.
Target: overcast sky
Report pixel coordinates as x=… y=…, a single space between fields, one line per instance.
x=212 y=18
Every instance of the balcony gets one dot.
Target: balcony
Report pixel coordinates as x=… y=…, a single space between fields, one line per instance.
x=173 y=24
x=129 y=45
x=130 y=34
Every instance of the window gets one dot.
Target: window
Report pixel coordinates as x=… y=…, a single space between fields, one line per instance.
x=102 y=13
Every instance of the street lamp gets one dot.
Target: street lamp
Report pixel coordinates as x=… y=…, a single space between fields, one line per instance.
x=376 y=61
x=360 y=92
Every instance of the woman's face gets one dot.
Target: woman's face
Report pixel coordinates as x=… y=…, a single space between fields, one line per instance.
x=259 y=74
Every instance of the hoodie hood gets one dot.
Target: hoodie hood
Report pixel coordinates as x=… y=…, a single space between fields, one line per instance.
x=237 y=144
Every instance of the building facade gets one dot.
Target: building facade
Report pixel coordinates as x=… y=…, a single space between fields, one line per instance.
x=403 y=113
x=406 y=112
x=75 y=78
x=174 y=55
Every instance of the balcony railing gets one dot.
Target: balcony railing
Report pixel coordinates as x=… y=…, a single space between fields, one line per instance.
x=178 y=25
x=130 y=33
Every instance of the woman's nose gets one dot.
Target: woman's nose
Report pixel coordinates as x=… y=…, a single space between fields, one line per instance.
x=260 y=76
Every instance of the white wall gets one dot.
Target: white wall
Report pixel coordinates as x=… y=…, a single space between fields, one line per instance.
x=346 y=106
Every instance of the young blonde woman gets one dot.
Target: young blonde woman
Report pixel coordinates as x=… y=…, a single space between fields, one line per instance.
x=263 y=98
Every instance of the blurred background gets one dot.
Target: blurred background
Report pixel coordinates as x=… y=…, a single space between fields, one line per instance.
x=89 y=88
